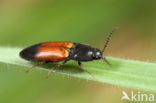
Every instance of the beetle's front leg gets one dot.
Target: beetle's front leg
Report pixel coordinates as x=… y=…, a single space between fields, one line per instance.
x=80 y=65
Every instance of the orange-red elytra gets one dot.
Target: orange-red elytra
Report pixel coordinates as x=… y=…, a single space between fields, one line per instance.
x=63 y=51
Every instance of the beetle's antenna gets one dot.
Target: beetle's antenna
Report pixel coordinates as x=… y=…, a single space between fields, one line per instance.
x=105 y=46
x=108 y=39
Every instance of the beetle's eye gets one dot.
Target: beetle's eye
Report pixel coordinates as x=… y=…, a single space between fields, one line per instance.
x=97 y=53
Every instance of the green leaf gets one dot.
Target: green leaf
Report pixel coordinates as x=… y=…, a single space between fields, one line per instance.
x=126 y=73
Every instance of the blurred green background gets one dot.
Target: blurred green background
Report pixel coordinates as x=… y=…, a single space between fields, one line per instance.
x=25 y=22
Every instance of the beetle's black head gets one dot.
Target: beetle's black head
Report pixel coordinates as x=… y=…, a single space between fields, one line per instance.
x=97 y=54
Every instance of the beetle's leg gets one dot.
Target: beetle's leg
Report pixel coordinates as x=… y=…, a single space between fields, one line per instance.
x=80 y=65
x=39 y=63
x=107 y=61
x=55 y=67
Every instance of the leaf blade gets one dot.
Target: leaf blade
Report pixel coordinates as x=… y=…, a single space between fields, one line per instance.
x=126 y=73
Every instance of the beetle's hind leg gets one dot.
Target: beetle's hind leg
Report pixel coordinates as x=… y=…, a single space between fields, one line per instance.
x=54 y=68
x=39 y=63
x=80 y=65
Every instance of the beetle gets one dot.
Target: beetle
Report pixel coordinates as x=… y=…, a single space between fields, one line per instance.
x=63 y=51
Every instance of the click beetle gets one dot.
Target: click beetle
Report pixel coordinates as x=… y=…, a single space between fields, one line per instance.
x=63 y=51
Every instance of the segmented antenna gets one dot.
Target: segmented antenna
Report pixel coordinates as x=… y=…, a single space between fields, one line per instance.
x=108 y=39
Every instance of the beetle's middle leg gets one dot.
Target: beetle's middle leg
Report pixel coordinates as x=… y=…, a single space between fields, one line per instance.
x=55 y=67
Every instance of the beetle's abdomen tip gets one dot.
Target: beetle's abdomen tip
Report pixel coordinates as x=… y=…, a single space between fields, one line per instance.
x=24 y=54
x=29 y=53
